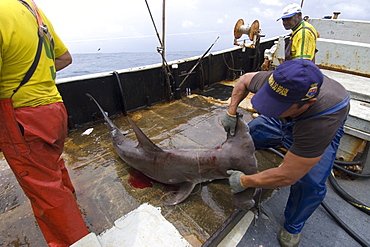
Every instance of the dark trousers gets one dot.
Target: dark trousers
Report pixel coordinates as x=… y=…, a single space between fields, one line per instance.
x=308 y=192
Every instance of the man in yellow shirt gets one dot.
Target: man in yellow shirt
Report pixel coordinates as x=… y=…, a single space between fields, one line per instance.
x=33 y=119
x=302 y=41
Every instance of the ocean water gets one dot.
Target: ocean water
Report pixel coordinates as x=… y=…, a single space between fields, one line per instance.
x=91 y=63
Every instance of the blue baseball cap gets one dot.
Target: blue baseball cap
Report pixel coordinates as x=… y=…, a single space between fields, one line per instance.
x=290 y=10
x=293 y=81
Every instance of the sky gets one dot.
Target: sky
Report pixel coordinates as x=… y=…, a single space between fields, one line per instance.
x=90 y=26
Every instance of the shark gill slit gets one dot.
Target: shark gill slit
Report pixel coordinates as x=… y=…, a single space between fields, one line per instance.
x=200 y=177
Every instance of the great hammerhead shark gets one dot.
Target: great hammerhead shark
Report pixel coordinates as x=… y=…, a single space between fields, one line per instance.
x=187 y=168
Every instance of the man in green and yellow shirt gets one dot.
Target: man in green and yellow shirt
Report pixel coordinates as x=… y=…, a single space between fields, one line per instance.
x=301 y=43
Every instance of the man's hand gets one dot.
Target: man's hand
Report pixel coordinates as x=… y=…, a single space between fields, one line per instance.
x=234 y=181
x=229 y=123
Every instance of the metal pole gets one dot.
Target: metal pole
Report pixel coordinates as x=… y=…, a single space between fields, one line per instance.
x=163 y=31
x=155 y=27
x=192 y=69
x=164 y=62
x=160 y=50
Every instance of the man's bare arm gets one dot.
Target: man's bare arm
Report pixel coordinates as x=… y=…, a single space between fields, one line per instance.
x=240 y=91
x=292 y=169
x=63 y=61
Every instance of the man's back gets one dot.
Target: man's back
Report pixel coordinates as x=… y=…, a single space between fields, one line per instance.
x=18 y=42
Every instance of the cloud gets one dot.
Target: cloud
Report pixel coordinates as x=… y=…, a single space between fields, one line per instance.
x=187 y=4
x=352 y=10
x=267 y=13
x=271 y=2
x=188 y=24
x=125 y=25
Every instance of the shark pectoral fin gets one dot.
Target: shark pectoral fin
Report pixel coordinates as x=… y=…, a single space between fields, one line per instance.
x=181 y=194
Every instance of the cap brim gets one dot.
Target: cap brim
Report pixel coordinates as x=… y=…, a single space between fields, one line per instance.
x=286 y=16
x=268 y=105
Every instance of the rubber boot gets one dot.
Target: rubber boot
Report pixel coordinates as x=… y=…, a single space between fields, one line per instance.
x=287 y=239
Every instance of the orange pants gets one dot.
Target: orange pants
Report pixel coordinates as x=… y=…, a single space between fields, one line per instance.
x=32 y=140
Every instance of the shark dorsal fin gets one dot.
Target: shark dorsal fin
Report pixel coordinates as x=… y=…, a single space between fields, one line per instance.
x=143 y=140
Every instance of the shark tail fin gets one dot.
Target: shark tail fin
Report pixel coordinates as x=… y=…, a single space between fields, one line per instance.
x=144 y=141
x=106 y=118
